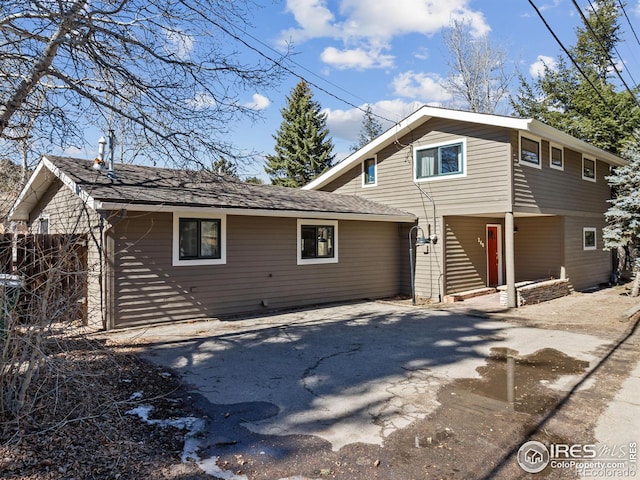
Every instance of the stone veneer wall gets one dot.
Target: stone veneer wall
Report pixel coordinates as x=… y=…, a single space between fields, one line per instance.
x=530 y=293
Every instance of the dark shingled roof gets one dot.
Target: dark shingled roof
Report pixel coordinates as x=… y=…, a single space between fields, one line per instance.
x=142 y=185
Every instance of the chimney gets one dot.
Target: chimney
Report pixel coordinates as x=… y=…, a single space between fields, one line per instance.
x=111 y=173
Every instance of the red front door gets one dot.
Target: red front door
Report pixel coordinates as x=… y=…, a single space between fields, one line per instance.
x=493 y=258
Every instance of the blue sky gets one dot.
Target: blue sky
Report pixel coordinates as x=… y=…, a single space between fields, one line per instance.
x=389 y=54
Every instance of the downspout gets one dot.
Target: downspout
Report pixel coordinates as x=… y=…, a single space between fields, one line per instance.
x=106 y=292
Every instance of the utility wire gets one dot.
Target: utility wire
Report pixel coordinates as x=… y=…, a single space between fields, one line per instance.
x=297 y=75
x=604 y=50
x=566 y=51
x=629 y=21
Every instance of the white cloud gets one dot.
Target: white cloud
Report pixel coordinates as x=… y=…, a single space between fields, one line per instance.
x=425 y=87
x=202 y=100
x=178 y=43
x=366 y=27
x=346 y=124
x=259 y=102
x=356 y=58
x=536 y=69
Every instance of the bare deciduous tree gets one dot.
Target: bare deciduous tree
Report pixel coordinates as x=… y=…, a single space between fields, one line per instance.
x=478 y=78
x=171 y=75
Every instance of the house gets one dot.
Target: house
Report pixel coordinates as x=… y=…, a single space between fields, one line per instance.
x=169 y=245
x=510 y=200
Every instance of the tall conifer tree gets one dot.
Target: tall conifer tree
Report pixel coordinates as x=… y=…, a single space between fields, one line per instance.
x=303 y=147
x=597 y=108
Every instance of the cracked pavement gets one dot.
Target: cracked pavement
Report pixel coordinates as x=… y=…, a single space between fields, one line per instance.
x=349 y=374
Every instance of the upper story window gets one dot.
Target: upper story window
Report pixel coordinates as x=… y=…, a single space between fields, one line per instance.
x=439 y=161
x=317 y=241
x=198 y=239
x=369 y=172
x=530 y=152
x=557 y=158
x=588 y=169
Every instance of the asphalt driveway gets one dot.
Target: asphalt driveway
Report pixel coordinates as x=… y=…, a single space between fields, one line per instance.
x=342 y=375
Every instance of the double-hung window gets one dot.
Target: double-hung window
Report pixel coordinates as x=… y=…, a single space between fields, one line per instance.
x=317 y=241
x=556 y=159
x=589 y=241
x=588 y=169
x=440 y=161
x=530 y=152
x=198 y=240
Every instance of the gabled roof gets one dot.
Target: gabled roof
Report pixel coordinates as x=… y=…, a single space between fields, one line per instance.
x=426 y=113
x=145 y=188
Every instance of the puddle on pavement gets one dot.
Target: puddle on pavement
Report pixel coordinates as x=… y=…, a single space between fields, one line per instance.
x=517 y=383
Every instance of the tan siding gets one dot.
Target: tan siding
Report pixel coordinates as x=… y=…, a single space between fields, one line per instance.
x=466 y=253
x=67 y=214
x=585 y=268
x=483 y=189
x=548 y=190
x=538 y=248
x=261 y=265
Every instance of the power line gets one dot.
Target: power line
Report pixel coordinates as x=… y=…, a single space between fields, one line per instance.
x=629 y=21
x=297 y=75
x=566 y=51
x=603 y=48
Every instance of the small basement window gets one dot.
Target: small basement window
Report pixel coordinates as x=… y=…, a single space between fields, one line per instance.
x=317 y=241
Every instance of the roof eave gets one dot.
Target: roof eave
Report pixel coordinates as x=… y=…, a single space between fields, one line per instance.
x=38 y=184
x=165 y=208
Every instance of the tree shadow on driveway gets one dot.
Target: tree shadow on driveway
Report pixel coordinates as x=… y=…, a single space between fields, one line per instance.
x=351 y=374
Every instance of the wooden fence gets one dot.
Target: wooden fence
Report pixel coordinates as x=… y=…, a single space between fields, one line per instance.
x=53 y=272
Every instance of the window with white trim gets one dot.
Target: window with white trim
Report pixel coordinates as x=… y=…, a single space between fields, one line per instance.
x=440 y=161
x=556 y=159
x=530 y=152
x=317 y=241
x=369 y=172
x=199 y=239
x=589 y=241
x=588 y=169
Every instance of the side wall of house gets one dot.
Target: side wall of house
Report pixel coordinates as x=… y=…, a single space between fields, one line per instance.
x=66 y=214
x=260 y=274
x=585 y=268
x=539 y=248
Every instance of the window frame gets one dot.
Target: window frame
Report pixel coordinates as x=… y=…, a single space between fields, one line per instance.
x=365 y=184
x=317 y=223
x=595 y=171
x=534 y=139
x=551 y=164
x=182 y=262
x=442 y=176
x=585 y=231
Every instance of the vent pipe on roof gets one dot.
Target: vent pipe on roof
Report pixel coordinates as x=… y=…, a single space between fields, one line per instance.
x=112 y=140
x=99 y=162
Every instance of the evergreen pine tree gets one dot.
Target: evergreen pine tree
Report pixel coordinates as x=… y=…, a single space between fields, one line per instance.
x=624 y=213
x=369 y=129
x=563 y=98
x=303 y=148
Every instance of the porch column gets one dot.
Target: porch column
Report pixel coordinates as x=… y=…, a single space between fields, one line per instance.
x=509 y=253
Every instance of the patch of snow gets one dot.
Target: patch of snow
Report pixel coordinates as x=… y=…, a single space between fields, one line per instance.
x=192 y=444
x=136 y=396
